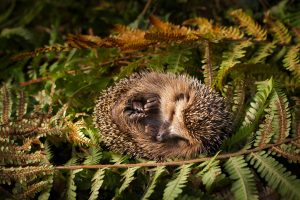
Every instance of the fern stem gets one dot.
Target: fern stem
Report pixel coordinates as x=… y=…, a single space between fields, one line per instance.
x=176 y=163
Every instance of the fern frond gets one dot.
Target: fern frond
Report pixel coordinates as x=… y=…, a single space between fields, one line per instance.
x=36 y=52
x=238 y=98
x=262 y=53
x=166 y=32
x=32 y=190
x=5 y=105
x=252 y=27
x=158 y=171
x=276 y=175
x=23 y=174
x=174 y=187
x=75 y=133
x=243 y=186
x=281 y=33
x=22 y=105
x=256 y=108
x=19 y=158
x=94 y=156
x=71 y=187
x=231 y=32
x=45 y=194
x=265 y=132
x=282 y=118
x=211 y=173
x=86 y=42
x=230 y=59
x=97 y=182
x=291 y=156
x=291 y=60
x=129 y=177
x=204 y=25
x=207 y=67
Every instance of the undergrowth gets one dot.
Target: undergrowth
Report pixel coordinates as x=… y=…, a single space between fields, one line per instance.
x=49 y=147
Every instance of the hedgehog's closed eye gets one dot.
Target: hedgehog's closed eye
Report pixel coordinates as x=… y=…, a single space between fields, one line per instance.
x=179 y=97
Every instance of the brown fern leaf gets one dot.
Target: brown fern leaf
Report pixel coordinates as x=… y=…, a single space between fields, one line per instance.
x=163 y=26
x=32 y=190
x=54 y=48
x=22 y=105
x=252 y=27
x=207 y=67
x=19 y=158
x=283 y=113
x=291 y=156
x=130 y=39
x=76 y=135
x=6 y=105
x=20 y=174
x=266 y=131
x=86 y=42
x=166 y=32
x=238 y=101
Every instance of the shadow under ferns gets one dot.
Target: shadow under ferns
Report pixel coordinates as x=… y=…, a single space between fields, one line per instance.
x=257 y=68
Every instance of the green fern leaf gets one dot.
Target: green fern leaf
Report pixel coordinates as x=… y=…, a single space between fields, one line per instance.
x=276 y=175
x=71 y=187
x=230 y=59
x=159 y=170
x=257 y=105
x=174 y=187
x=97 y=182
x=129 y=176
x=94 y=156
x=45 y=194
x=262 y=53
x=243 y=186
x=212 y=175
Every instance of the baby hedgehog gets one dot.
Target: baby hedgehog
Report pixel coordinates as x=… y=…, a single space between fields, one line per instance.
x=160 y=116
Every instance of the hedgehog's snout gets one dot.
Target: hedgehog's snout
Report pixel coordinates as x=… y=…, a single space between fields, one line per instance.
x=163 y=132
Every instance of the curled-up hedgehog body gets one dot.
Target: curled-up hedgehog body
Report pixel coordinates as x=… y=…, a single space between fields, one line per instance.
x=160 y=116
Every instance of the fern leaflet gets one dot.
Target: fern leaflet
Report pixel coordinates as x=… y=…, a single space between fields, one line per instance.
x=174 y=187
x=129 y=176
x=276 y=175
x=159 y=170
x=97 y=181
x=291 y=60
x=230 y=59
x=243 y=186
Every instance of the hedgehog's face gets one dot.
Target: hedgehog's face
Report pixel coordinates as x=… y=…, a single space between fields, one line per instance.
x=173 y=126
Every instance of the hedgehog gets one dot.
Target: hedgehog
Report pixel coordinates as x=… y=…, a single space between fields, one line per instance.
x=162 y=115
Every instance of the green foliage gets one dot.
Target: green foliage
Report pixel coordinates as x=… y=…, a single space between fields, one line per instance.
x=97 y=181
x=128 y=178
x=174 y=187
x=48 y=94
x=150 y=190
x=243 y=186
x=276 y=175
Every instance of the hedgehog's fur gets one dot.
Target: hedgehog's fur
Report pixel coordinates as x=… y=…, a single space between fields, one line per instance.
x=160 y=116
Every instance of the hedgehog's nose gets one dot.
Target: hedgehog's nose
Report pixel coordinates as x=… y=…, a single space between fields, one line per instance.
x=163 y=132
